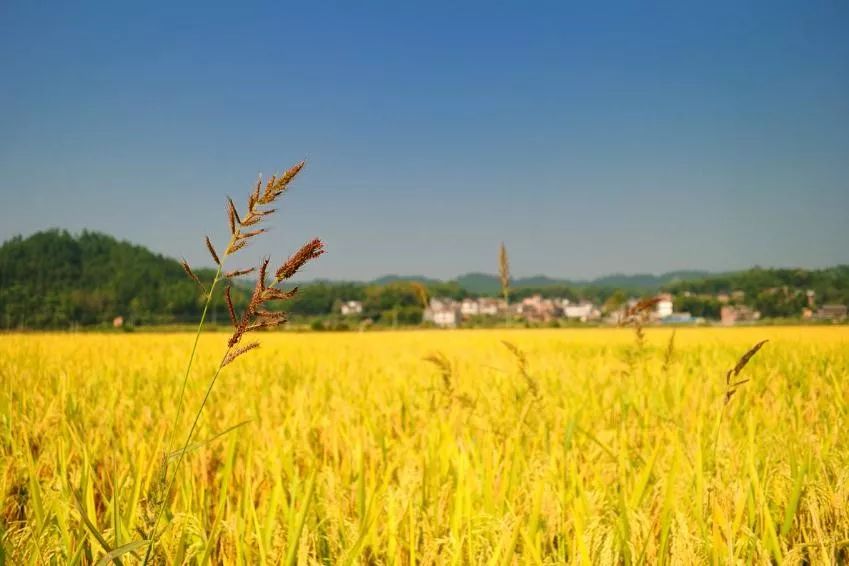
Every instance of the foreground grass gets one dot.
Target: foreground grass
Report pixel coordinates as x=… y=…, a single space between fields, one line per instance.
x=358 y=451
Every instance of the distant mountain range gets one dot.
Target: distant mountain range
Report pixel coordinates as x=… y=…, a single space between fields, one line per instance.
x=474 y=283
x=485 y=283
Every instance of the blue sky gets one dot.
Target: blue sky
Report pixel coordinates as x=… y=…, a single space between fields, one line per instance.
x=614 y=137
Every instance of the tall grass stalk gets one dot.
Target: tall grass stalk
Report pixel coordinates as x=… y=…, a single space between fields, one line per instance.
x=255 y=316
x=206 y=304
x=179 y=410
x=504 y=275
x=731 y=387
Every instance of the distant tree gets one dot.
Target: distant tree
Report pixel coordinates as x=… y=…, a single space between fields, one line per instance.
x=54 y=280
x=703 y=306
x=614 y=302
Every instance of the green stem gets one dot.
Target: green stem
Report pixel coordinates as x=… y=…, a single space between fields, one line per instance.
x=179 y=413
x=183 y=451
x=191 y=360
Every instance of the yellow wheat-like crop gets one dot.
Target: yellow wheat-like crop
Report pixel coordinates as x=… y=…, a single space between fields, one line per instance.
x=344 y=448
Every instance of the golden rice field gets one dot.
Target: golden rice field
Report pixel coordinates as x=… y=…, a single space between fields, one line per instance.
x=358 y=451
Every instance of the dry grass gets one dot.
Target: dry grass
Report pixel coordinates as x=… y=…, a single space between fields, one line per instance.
x=347 y=459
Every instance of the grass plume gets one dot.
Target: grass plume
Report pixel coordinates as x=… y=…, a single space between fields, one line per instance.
x=440 y=361
x=731 y=386
x=668 y=354
x=255 y=316
x=504 y=277
x=522 y=366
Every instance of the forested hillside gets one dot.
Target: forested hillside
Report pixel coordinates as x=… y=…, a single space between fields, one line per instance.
x=53 y=279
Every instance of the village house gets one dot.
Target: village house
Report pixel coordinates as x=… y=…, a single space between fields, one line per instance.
x=445 y=313
x=834 y=313
x=533 y=302
x=470 y=307
x=482 y=306
x=664 y=306
x=351 y=308
x=731 y=315
x=537 y=309
x=491 y=307
x=584 y=311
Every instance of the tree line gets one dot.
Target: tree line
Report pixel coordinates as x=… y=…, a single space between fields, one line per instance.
x=53 y=279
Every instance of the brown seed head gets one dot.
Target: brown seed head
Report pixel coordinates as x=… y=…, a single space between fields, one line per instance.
x=232 y=215
x=275 y=294
x=238 y=352
x=265 y=323
x=255 y=316
x=263 y=269
x=308 y=251
x=276 y=185
x=212 y=251
x=741 y=363
x=189 y=272
x=292 y=172
x=504 y=269
x=236 y=246
x=231 y=311
x=271 y=315
x=250 y=234
x=239 y=272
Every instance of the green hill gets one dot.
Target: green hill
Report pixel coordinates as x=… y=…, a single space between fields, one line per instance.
x=53 y=279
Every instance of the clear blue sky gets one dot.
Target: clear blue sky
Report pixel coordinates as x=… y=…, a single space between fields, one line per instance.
x=633 y=137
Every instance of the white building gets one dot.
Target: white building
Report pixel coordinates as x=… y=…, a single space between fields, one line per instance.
x=664 y=306
x=443 y=312
x=470 y=307
x=447 y=318
x=483 y=306
x=491 y=307
x=583 y=311
x=536 y=308
x=351 y=308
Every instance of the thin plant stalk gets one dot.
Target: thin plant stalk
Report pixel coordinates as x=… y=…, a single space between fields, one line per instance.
x=192 y=359
x=255 y=316
x=170 y=483
x=731 y=387
x=182 y=454
x=504 y=275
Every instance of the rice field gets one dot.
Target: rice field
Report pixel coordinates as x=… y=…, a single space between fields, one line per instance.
x=428 y=447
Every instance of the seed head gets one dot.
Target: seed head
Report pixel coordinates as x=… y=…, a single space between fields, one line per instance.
x=308 y=251
x=212 y=251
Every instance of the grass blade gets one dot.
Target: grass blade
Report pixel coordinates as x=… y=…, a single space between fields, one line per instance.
x=114 y=555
